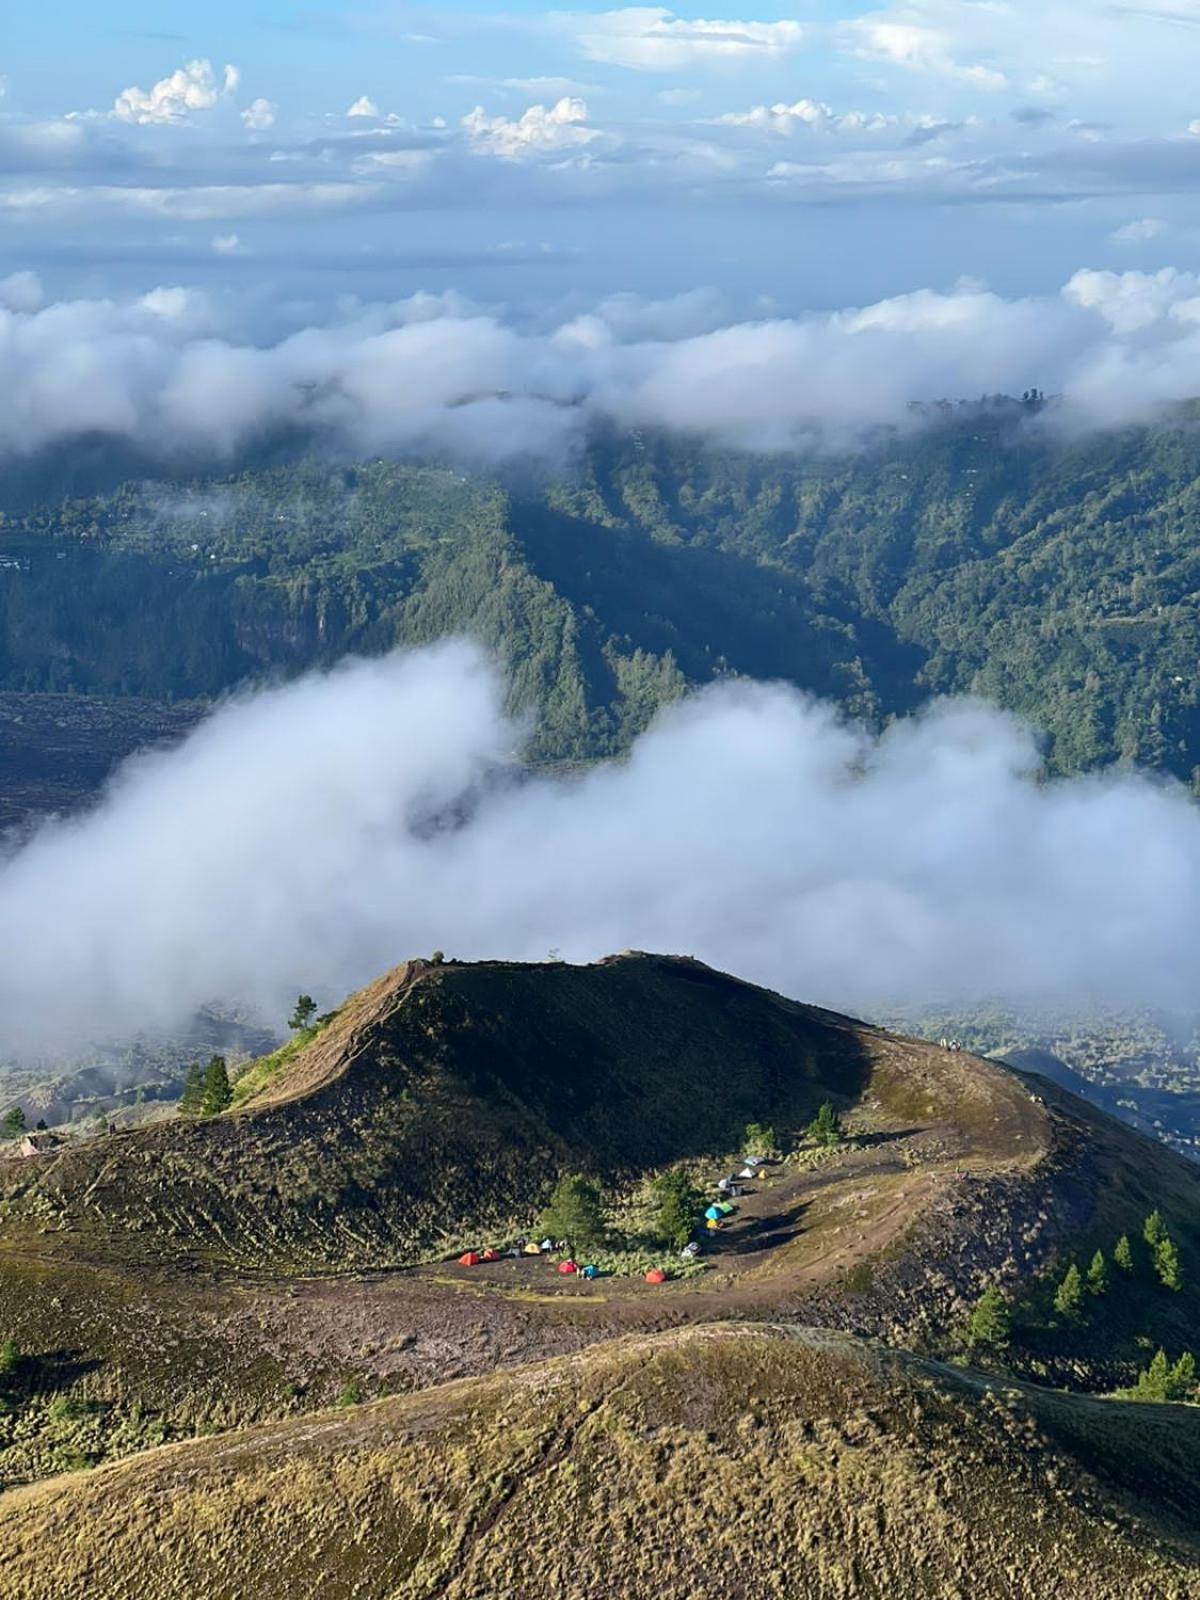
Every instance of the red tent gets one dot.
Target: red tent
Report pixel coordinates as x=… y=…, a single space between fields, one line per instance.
x=491 y=1255
x=469 y=1260
x=656 y=1275
x=567 y=1266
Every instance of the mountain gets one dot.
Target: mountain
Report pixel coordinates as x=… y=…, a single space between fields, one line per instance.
x=189 y=1275
x=716 y=1462
x=983 y=553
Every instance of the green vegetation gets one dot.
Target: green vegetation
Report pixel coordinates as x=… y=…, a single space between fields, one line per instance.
x=680 y=1206
x=1068 y=1297
x=217 y=1095
x=13 y=1123
x=1163 y=1382
x=1123 y=1255
x=826 y=1127
x=303 y=1013
x=575 y=1213
x=978 y=555
x=1166 y=1264
x=990 y=1323
x=1097 y=1274
x=191 y=1101
x=759 y=1140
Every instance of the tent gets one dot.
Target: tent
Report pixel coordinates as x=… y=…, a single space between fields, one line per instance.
x=468 y=1260
x=747 y=1172
x=752 y=1161
x=533 y=1250
x=726 y=1208
x=567 y=1266
x=491 y=1255
x=591 y=1271
x=690 y=1251
x=713 y=1214
x=713 y=1222
x=656 y=1275
x=547 y=1244
x=723 y=1185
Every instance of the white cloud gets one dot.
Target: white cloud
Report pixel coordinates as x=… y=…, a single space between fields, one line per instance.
x=539 y=131
x=653 y=39
x=21 y=291
x=786 y=119
x=259 y=115
x=751 y=826
x=917 y=47
x=226 y=244
x=1140 y=231
x=193 y=87
x=363 y=107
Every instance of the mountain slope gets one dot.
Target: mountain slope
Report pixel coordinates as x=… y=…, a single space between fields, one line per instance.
x=714 y=1463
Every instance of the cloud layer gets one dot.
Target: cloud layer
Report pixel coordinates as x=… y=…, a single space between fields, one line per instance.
x=175 y=372
x=312 y=835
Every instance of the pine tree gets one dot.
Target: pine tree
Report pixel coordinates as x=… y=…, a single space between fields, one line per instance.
x=1097 y=1275
x=575 y=1213
x=680 y=1208
x=826 y=1126
x=1181 y=1380
x=991 y=1321
x=758 y=1140
x=1123 y=1254
x=14 y=1122
x=217 y=1092
x=301 y=1018
x=1154 y=1229
x=1166 y=1263
x=1152 y=1384
x=1068 y=1297
x=192 y=1098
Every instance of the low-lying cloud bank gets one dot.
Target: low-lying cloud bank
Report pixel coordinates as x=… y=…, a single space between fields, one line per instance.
x=312 y=835
x=179 y=374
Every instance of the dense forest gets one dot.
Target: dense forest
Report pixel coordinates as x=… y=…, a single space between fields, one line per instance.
x=979 y=554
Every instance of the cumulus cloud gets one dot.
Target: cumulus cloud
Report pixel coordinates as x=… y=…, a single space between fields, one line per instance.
x=169 y=371
x=364 y=106
x=653 y=39
x=919 y=48
x=540 y=130
x=259 y=115
x=194 y=87
x=750 y=827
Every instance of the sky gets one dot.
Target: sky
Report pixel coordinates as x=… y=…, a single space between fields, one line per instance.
x=790 y=157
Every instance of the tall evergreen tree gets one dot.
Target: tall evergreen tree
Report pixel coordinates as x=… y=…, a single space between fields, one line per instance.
x=217 y=1091
x=1154 y=1229
x=680 y=1207
x=575 y=1213
x=991 y=1321
x=1068 y=1297
x=1166 y=1263
x=1097 y=1274
x=826 y=1126
x=1123 y=1254
x=192 y=1098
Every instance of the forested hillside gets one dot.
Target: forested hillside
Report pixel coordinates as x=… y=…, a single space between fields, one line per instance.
x=981 y=554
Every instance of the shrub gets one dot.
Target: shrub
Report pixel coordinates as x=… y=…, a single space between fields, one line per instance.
x=758 y=1140
x=680 y=1207
x=990 y=1323
x=826 y=1127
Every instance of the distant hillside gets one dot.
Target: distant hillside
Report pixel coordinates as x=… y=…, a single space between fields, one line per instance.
x=980 y=554
x=703 y=1465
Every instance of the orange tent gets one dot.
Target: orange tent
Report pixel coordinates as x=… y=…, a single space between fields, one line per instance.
x=567 y=1266
x=469 y=1260
x=656 y=1275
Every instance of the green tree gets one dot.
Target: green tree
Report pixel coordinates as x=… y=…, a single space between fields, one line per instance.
x=990 y=1323
x=217 y=1091
x=1123 y=1254
x=1152 y=1383
x=575 y=1213
x=1068 y=1297
x=1154 y=1229
x=1166 y=1263
x=192 y=1099
x=10 y=1357
x=758 y=1140
x=826 y=1126
x=13 y=1123
x=302 y=1016
x=1097 y=1274
x=680 y=1206
x=1181 y=1380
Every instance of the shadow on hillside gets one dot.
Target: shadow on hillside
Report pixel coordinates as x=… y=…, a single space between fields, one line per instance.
x=765 y=1233
x=52 y=1370
x=873 y=1141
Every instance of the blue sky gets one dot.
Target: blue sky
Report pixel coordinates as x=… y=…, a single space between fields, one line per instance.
x=794 y=156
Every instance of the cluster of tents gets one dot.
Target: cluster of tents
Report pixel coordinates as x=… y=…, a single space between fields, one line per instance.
x=730 y=1189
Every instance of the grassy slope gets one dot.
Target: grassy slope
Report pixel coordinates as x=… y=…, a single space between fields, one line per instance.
x=718 y=1462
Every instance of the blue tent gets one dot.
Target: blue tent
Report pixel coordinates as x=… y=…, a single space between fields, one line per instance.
x=714 y=1214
